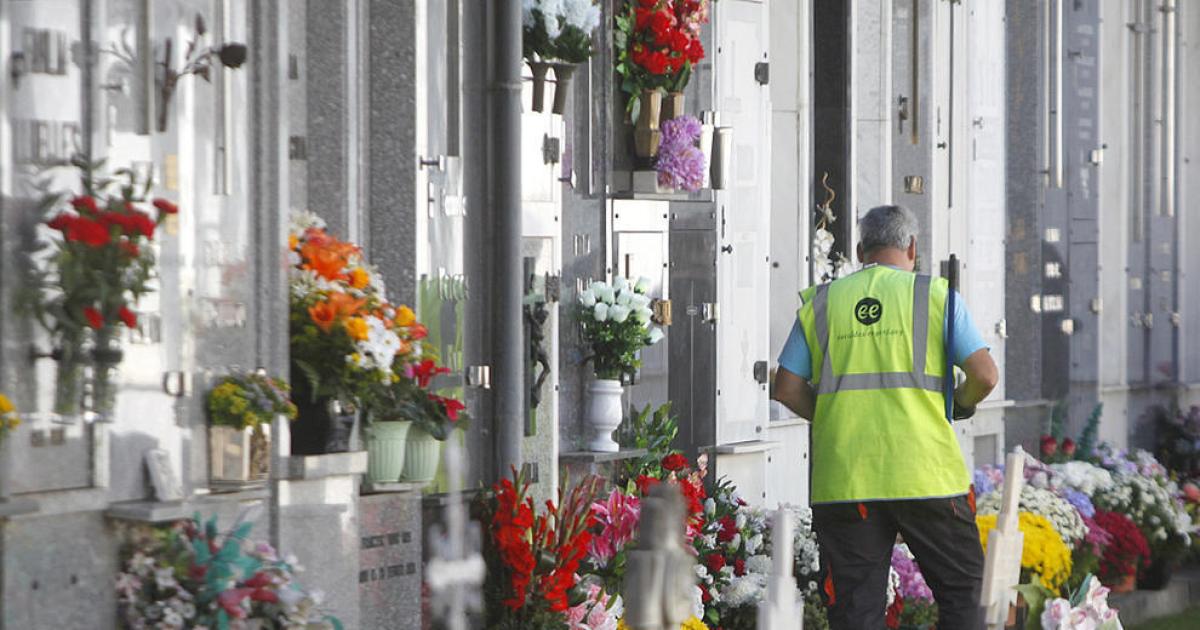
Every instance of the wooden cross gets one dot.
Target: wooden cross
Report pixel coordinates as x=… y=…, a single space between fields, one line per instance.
x=1002 y=567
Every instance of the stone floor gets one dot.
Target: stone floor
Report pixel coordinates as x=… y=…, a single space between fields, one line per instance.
x=1140 y=606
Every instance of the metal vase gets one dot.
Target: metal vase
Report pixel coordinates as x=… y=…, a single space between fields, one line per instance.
x=646 y=135
x=539 y=70
x=672 y=106
x=562 y=86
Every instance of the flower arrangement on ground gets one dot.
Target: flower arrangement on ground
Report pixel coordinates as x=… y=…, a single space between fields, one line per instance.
x=732 y=549
x=1058 y=511
x=919 y=609
x=190 y=575
x=1153 y=504
x=1127 y=551
x=600 y=611
x=806 y=553
x=1044 y=558
x=616 y=325
x=657 y=43
x=680 y=162
x=101 y=264
x=1087 y=608
x=533 y=559
x=559 y=29
x=652 y=429
x=9 y=420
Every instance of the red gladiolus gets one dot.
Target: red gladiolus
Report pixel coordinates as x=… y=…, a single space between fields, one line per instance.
x=94 y=318
x=1049 y=445
x=128 y=316
x=674 y=462
x=85 y=203
x=166 y=207
x=715 y=562
x=739 y=567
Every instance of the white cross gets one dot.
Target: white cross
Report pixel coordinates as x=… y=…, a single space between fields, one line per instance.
x=455 y=573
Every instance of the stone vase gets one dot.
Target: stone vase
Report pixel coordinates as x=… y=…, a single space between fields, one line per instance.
x=239 y=456
x=422 y=454
x=646 y=134
x=562 y=86
x=386 y=446
x=603 y=414
x=539 y=70
x=672 y=106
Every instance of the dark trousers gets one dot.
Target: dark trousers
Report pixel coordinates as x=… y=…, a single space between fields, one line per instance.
x=856 y=550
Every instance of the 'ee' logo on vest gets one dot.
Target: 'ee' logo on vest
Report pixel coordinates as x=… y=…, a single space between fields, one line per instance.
x=868 y=311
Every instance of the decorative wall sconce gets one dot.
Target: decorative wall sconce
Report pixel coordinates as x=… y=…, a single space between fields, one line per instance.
x=198 y=62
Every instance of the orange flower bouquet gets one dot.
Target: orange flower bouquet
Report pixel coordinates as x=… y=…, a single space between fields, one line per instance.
x=347 y=341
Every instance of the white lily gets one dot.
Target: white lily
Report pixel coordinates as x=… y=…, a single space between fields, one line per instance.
x=600 y=312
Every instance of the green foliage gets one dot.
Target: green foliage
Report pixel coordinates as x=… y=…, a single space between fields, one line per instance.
x=918 y=614
x=1056 y=424
x=248 y=400
x=1084 y=564
x=815 y=615
x=654 y=431
x=1086 y=446
x=1036 y=597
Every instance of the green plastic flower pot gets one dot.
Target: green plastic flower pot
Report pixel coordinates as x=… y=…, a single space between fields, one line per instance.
x=421 y=457
x=386 y=450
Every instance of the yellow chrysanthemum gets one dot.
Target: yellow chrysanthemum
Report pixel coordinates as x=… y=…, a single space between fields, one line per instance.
x=359 y=278
x=692 y=623
x=357 y=328
x=405 y=316
x=1044 y=552
x=6 y=405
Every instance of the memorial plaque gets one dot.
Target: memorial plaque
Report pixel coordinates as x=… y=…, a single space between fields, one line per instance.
x=389 y=578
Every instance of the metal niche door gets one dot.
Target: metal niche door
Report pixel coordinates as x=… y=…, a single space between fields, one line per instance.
x=743 y=222
x=640 y=233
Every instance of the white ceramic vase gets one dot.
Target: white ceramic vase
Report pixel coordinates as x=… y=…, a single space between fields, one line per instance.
x=603 y=414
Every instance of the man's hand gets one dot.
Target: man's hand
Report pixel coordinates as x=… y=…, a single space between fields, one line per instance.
x=982 y=377
x=795 y=393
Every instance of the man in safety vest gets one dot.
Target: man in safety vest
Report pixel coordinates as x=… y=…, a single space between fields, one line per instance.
x=866 y=362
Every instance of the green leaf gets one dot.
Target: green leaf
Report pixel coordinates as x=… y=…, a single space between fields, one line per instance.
x=1035 y=597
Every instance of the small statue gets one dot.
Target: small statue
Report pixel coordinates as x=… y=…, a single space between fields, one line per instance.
x=536 y=315
x=659 y=576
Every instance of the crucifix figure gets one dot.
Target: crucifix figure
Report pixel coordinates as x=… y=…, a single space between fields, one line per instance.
x=455 y=573
x=659 y=577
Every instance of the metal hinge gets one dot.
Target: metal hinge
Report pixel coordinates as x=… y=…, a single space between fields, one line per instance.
x=761 y=372
x=762 y=72
x=478 y=376
x=662 y=312
x=550 y=150
x=1002 y=329
x=710 y=312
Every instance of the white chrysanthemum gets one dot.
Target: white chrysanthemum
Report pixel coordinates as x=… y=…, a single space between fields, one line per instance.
x=1062 y=515
x=754 y=543
x=604 y=293
x=759 y=564
x=747 y=589
x=302 y=220
x=1083 y=476
x=381 y=345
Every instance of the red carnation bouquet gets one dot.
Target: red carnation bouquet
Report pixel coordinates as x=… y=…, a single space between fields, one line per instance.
x=657 y=44
x=532 y=557
x=1128 y=550
x=102 y=262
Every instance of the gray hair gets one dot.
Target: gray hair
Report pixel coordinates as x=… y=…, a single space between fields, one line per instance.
x=887 y=226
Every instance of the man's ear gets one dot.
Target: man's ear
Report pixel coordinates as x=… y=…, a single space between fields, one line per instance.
x=860 y=253
x=911 y=253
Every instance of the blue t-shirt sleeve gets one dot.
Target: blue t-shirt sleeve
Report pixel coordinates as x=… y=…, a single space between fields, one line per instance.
x=967 y=340
x=795 y=357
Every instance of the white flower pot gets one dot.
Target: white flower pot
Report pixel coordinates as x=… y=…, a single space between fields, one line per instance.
x=603 y=414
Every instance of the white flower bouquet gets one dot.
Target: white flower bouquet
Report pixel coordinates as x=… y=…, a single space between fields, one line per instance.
x=1062 y=515
x=615 y=319
x=559 y=29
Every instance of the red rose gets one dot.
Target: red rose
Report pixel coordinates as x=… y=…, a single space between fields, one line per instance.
x=62 y=222
x=739 y=567
x=660 y=24
x=85 y=203
x=644 y=483
x=641 y=18
x=655 y=62
x=128 y=316
x=166 y=207
x=674 y=462
x=728 y=529
x=715 y=562
x=695 y=51
x=1068 y=447
x=94 y=318
x=87 y=231
x=1049 y=445
x=679 y=41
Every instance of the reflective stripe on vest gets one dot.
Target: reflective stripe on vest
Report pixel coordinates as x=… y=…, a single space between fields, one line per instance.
x=916 y=379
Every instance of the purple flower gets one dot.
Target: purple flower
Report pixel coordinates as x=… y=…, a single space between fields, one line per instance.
x=912 y=583
x=1081 y=501
x=680 y=164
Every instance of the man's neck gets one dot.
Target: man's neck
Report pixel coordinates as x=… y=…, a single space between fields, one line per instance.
x=888 y=256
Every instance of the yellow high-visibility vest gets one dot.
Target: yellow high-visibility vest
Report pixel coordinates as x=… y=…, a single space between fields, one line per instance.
x=879 y=430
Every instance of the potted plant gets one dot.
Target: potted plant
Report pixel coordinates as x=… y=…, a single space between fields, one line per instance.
x=557 y=34
x=1126 y=553
x=655 y=50
x=344 y=335
x=680 y=163
x=615 y=321
x=241 y=408
x=102 y=262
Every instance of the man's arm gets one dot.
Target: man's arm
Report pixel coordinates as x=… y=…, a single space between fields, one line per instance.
x=795 y=393
x=982 y=377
